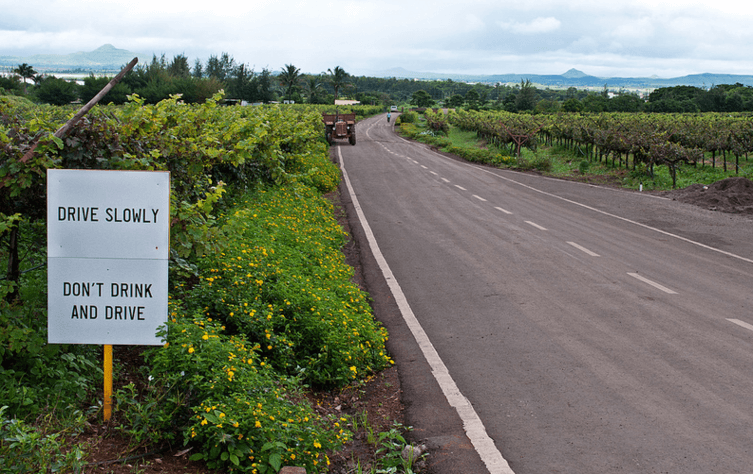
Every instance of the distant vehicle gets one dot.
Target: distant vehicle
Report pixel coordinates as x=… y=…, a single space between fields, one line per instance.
x=393 y=108
x=340 y=126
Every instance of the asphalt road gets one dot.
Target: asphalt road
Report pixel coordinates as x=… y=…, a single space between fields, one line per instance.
x=592 y=330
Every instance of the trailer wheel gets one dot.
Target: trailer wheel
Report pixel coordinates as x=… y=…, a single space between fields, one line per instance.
x=329 y=138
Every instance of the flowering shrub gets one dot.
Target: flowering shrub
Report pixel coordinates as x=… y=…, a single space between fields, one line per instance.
x=282 y=282
x=242 y=413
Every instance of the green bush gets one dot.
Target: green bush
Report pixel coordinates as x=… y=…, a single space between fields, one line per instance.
x=281 y=281
x=407 y=117
x=227 y=399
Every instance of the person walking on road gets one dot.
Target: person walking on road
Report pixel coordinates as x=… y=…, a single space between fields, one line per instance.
x=388 y=117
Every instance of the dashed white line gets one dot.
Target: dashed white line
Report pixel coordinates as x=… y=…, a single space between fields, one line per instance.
x=741 y=323
x=583 y=249
x=653 y=283
x=503 y=210
x=460 y=187
x=424 y=167
x=445 y=180
x=434 y=173
x=535 y=225
x=479 y=197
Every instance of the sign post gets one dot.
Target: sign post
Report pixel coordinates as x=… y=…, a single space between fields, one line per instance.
x=108 y=238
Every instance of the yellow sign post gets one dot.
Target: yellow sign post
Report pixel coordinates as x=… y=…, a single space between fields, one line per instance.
x=108 y=383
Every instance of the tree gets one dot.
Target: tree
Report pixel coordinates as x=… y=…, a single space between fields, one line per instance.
x=289 y=78
x=455 y=101
x=241 y=87
x=314 y=85
x=422 y=98
x=57 y=91
x=26 y=72
x=338 y=79
x=179 y=66
x=11 y=83
x=198 y=69
x=472 y=99
x=527 y=96
x=92 y=86
x=572 y=105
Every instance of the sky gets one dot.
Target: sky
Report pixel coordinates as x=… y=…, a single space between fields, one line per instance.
x=603 y=38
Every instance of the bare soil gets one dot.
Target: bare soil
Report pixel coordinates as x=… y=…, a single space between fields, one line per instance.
x=732 y=195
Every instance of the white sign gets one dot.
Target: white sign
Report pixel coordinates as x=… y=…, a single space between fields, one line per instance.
x=108 y=239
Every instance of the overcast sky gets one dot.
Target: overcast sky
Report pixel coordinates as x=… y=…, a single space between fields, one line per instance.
x=604 y=38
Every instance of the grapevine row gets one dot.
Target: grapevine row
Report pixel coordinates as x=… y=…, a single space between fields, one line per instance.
x=664 y=139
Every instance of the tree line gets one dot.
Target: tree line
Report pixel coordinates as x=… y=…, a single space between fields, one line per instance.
x=162 y=78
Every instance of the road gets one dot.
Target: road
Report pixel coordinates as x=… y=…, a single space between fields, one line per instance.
x=589 y=330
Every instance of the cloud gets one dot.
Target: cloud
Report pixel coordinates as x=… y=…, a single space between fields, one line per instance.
x=536 y=26
x=479 y=36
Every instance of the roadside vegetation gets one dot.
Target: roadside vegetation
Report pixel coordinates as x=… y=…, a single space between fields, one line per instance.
x=262 y=309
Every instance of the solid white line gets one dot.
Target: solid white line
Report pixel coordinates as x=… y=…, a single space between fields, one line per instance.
x=535 y=225
x=474 y=427
x=583 y=249
x=653 y=283
x=503 y=210
x=460 y=187
x=741 y=323
x=479 y=197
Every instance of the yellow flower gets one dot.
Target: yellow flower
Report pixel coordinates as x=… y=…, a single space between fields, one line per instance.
x=258 y=424
x=190 y=350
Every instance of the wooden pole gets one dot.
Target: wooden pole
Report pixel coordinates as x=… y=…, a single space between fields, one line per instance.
x=60 y=133
x=108 y=383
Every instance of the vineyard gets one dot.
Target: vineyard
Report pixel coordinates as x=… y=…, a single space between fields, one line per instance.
x=639 y=142
x=261 y=300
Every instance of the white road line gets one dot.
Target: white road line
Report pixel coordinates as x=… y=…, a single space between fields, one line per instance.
x=653 y=283
x=741 y=323
x=479 y=197
x=424 y=167
x=535 y=225
x=445 y=180
x=583 y=249
x=503 y=210
x=474 y=427
x=434 y=173
x=604 y=213
x=460 y=187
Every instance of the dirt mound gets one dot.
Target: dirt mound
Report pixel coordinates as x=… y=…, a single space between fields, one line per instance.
x=734 y=195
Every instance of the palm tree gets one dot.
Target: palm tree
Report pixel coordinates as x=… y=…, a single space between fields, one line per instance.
x=289 y=78
x=313 y=84
x=26 y=71
x=338 y=79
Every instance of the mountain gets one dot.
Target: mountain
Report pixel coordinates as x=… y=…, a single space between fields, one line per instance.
x=106 y=58
x=576 y=78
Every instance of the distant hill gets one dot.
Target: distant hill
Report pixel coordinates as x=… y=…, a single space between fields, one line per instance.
x=576 y=78
x=106 y=58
